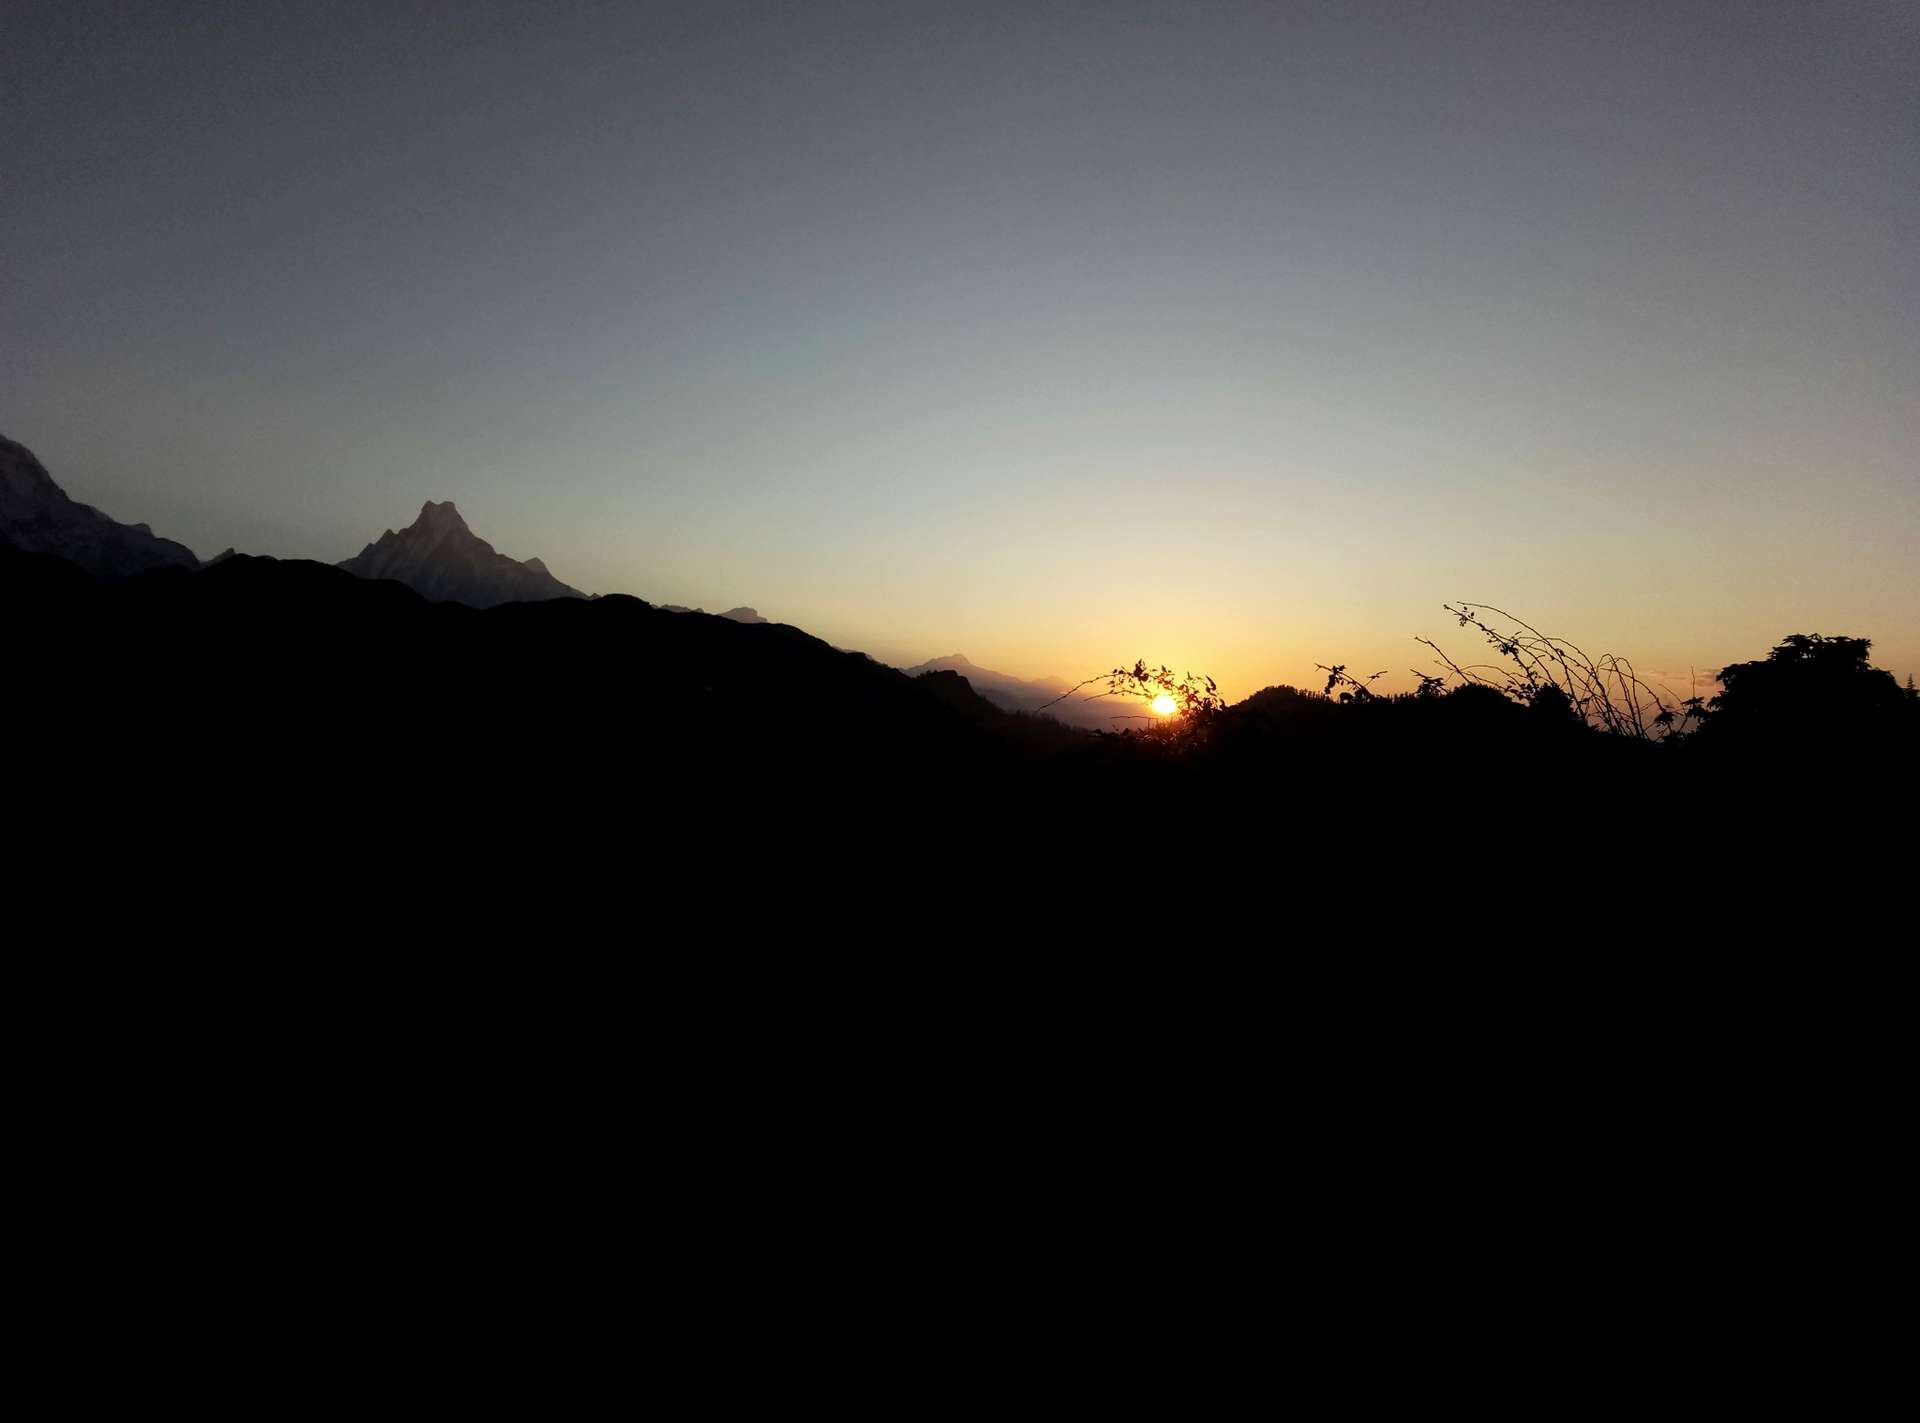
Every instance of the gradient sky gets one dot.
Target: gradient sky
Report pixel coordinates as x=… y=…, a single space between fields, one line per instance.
x=1238 y=336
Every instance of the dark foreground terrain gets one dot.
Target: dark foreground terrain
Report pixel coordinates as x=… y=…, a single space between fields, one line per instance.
x=356 y=929
x=287 y=732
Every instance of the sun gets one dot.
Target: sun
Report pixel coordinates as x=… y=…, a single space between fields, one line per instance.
x=1164 y=705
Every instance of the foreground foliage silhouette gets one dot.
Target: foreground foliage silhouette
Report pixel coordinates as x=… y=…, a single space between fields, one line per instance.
x=1194 y=703
x=1558 y=676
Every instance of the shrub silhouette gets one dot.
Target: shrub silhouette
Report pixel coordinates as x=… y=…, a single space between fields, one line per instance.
x=1559 y=679
x=1810 y=687
x=1196 y=700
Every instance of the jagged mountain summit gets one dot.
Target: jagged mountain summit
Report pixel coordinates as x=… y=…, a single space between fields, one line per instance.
x=38 y=516
x=440 y=558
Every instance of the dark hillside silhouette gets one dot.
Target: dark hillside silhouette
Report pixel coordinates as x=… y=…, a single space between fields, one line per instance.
x=306 y=684
x=288 y=673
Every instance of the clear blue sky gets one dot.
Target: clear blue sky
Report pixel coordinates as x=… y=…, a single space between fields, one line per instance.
x=1233 y=335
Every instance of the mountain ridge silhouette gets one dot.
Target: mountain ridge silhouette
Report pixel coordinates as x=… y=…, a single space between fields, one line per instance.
x=38 y=516
x=1044 y=696
x=440 y=557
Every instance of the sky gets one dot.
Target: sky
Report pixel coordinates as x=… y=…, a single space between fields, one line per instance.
x=1234 y=336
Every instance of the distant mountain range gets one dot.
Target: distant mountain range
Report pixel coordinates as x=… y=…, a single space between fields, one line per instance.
x=443 y=560
x=738 y=615
x=1044 y=695
x=438 y=555
x=38 y=516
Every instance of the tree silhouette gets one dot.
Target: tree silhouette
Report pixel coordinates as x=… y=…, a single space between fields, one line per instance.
x=1810 y=685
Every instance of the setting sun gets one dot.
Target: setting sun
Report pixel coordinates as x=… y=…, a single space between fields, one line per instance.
x=1164 y=705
